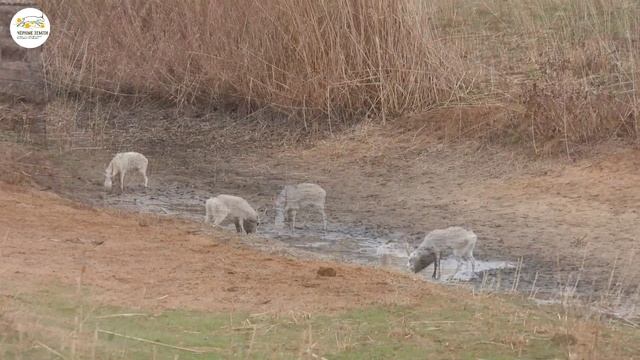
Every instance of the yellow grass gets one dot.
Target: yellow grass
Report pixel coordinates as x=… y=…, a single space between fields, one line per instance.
x=557 y=70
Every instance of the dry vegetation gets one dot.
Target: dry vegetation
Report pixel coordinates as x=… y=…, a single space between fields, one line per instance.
x=550 y=75
x=85 y=283
x=553 y=73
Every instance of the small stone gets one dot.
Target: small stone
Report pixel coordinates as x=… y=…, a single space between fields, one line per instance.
x=327 y=271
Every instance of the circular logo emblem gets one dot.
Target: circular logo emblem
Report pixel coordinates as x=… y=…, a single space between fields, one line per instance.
x=30 y=28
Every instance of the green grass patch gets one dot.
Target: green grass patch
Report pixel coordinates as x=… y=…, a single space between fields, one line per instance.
x=475 y=327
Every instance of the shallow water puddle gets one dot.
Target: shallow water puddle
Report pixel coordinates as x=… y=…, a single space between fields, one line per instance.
x=341 y=241
x=392 y=255
x=368 y=246
x=354 y=244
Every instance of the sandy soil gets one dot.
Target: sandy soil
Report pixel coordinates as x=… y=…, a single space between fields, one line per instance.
x=573 y=223
x=148 y=261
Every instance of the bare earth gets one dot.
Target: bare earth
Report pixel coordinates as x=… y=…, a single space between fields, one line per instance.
x=573 y=223
x=146 y=261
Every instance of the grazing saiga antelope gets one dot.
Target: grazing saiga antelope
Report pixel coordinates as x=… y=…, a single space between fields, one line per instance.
x=459 y=240
x=123 y=163
x=292 y=198
x=235 y=208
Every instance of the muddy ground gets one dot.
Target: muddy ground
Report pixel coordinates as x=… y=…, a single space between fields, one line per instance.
x=573 y=224
x=146 y=261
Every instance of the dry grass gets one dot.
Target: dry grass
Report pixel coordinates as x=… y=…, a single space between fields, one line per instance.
x=557 y=73
x=16 y=164
x=58 y=322
x=334 y=59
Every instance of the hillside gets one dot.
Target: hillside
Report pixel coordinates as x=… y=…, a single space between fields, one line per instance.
x=73 y=276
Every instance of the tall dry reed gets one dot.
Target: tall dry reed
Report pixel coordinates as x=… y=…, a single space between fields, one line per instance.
x=564 y=71
x=336 y=59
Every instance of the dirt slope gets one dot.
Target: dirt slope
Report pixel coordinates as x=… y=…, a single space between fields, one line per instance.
x=573 y=222
x=146 y=261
